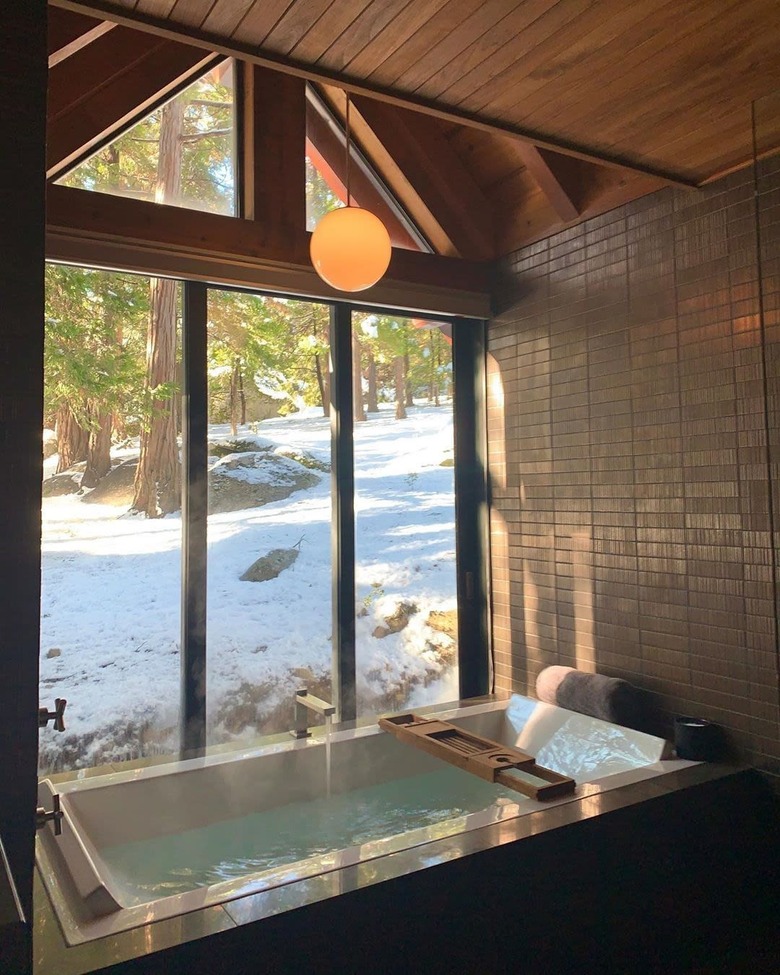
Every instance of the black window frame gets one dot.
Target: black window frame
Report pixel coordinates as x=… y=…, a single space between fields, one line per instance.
x=471 y=504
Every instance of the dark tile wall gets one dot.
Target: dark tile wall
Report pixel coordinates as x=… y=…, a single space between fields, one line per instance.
x=632 y=507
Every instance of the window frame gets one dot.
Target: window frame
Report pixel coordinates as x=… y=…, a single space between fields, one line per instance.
x=471 y=498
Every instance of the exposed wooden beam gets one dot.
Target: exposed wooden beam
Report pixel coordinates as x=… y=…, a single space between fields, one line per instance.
x=98 y=230
x=602 y=190
x=232 y=48
x=554 y=178
x=327 y=152
x=275 y=150
x=69 y=32
x=107 y=86
x=392 y=175
x=421 y=167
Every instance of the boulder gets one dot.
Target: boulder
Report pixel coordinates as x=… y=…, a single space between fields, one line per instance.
x=252 y=479
x=397 y=621
x=49 y=443
x=309 y=461
x=61 y=484
x=116 y=487
x=271 y=565
x=444 y=621
x=239 y=445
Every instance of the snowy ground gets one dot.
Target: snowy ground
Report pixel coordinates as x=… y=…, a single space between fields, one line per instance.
x=111 y=596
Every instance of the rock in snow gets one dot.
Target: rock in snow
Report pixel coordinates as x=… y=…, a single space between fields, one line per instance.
x=252 y=479
x=271 y=565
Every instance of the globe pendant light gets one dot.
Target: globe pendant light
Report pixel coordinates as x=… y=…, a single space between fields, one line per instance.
x=350 y=247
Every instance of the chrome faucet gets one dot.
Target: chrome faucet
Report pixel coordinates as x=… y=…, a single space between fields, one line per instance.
x=305 y=702
x=57 y=715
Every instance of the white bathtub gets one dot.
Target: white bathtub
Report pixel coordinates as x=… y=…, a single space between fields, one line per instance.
x=142 y=845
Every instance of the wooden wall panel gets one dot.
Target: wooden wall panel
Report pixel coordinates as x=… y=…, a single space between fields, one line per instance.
x=275 y=151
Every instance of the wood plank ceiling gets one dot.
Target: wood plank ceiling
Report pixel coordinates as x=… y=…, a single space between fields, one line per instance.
x=555 y=109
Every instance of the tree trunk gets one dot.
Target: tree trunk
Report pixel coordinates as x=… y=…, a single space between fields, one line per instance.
x=357 y=380
x=72 y=440
x=433 y=373
x=99 y=449
x=323 y=384
x=234 y=396
x=373 y=404
x=242 y=395
x=400 y=391
x=158 y=477
x=407 y=383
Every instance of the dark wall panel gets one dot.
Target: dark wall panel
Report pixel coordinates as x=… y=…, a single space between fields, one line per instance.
x=631 y=502
x=23 y=54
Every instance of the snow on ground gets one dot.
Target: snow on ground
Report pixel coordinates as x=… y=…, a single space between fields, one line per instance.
x=111 y=588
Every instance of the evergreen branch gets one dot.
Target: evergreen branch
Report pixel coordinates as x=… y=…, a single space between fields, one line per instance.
x=197 y=136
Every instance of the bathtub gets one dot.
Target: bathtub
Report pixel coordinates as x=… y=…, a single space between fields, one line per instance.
x=141 y=845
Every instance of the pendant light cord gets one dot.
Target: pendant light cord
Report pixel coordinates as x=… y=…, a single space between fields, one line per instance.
x=348 y=153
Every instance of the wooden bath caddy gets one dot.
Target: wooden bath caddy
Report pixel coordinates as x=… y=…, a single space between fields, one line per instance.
x=488 y=759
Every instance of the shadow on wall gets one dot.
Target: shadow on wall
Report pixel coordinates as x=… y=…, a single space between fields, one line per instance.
x=542 y=614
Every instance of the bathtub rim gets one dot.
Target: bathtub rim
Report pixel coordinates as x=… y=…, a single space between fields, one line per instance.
x=79 y=930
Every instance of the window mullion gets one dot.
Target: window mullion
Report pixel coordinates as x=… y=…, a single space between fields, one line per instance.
x=194 y=514
x=471 y=521
x=343 y=513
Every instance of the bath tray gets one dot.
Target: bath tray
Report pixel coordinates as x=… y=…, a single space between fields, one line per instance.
x=490 y=760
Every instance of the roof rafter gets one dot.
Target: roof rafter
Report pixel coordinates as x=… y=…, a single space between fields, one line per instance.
x=411 y=157
x=89 y=105
x=555 y=178
x=328 y=153
x=69 y=32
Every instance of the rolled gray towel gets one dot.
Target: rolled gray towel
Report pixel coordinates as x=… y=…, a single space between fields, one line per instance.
x=608 y=698
x=549 y=680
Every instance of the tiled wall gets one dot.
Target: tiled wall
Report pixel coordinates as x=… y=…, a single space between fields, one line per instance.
x=631 y=502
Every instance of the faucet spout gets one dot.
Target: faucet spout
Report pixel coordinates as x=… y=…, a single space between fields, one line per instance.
x=305 y=702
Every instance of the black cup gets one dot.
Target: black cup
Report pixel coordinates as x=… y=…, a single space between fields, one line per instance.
x=695 y=739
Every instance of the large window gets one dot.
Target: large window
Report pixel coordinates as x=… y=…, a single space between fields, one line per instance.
x=266 y=505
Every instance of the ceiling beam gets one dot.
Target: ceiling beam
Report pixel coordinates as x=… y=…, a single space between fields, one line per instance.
x=600 y=190
x=425 y=173
x=328 y=154
x=556 y=180
x=115 y=81
x=232 y=48
x=98 y=230
x=69 y=32
x=392 y=175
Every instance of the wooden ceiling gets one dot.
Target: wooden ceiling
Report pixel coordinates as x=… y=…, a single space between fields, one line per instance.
x=552 y=110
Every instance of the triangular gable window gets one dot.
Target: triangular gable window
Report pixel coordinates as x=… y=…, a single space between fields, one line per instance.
x=182 y=153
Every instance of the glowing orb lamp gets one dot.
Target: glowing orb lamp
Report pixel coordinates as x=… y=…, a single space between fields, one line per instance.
x=350 y=249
